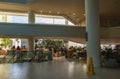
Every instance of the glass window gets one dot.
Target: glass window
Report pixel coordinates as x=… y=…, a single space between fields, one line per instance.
x=48 y=19
x=59 y=21
x=13 y=17
x=39 y=19
x=44 y=20
x=1 y=18
x=19 y=19
x=70 y=23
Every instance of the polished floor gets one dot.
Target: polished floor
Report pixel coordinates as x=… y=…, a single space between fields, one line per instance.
x=56 y=69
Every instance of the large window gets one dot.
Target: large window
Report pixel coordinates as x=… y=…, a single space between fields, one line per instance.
x=44 y=20
x=59 y=21
x=48 y=19
x=70 y=23
x=11 y=17
x=19 y=19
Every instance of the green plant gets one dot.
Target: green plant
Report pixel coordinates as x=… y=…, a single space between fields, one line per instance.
x=6 y=42
x=51 y=43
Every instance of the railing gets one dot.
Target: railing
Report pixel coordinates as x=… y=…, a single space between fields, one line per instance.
x=4 y=58
x=12 y=59
x=26 y=56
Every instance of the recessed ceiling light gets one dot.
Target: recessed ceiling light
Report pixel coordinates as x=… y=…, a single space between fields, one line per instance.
x=84 y=14
x=49 y=11
x=78 y=19
x=74 y=14
x=41 y=11
x=58 y=12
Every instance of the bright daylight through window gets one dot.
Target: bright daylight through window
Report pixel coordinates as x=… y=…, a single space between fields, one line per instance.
x=11 y=17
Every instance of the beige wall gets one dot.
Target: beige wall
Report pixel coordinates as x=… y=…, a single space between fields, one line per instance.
x=83 y=23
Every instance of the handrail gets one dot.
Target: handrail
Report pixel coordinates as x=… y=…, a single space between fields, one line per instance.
x=4 y=57
x=12 y=58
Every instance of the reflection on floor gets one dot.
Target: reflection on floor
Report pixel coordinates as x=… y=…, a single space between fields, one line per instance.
x=59 y=68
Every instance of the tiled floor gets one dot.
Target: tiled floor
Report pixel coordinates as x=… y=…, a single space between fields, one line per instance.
x=57 y=69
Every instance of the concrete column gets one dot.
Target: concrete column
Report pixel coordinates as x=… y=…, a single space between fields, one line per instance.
x=31 y=20
x=66 y=22
x=31 y=43
x=92 y=23
x=31 y=17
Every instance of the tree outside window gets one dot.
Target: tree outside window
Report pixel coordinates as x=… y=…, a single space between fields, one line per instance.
x=6 y=43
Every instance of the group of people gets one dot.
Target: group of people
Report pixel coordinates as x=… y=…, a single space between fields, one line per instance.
x=15 y=50
x=65 y=51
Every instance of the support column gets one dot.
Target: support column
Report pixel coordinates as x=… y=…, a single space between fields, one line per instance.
x=31 y=43
x=31 y=20
x=66 y=22
x=92 y=27
x=31 y=17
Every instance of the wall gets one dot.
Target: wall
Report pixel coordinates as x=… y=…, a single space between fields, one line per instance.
x=43 y=30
